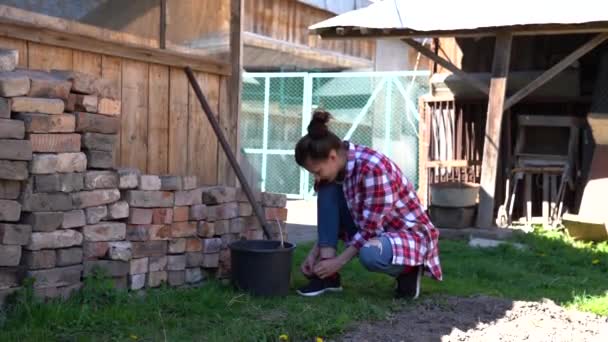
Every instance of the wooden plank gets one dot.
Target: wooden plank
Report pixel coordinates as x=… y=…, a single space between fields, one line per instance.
x=230 y=95
x=111 y=69
x=491 y=146
x=447 y=64
x=555 y=70
x=17 y=44
x=202 y=143
x=87 y=62
x=178 y=122
x=158 y=120
x=134 y=122
x=46 y=57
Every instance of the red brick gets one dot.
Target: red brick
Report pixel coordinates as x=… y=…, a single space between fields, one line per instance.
x=162 y=216
x=194 y=245
x=96 y=123
x=181 y=214
x=183 y=229
x=42 y=123
x=140 y=216
x=55 y=143
x=15 y=149
x=109 y=107
x=37 y=105
x=276 y=214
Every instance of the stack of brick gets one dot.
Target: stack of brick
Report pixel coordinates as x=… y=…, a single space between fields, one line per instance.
x=15 y=152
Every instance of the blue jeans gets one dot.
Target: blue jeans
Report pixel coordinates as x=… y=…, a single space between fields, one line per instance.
x=334 y=219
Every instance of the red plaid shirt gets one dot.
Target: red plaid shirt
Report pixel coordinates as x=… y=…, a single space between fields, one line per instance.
x=383 y=202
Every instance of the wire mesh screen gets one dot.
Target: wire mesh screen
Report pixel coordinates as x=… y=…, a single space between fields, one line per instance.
x=375 y=109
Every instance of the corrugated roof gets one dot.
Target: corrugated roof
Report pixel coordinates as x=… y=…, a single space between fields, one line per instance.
x=418 y=17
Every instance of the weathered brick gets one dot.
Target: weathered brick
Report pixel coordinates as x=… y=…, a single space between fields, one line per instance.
x=9 y=189
x=138 y=232
x=96 y=123
x=13 y=170
x=10 y=211
x=15 y=234
x=138 y=266
x=9 y=58
x=95 y=250
x=149 y=199
x=43 y=123
x=44 y=221
x=99 y=159
x=221 y=227
x=74 y=219
x=46 y=202
x=120 y=250
x=177 y=246
x=219 y=195
x=140 y=216
x=149 y=182
x=211 y=260
x=171 y=183
x=176 y=262
x=81 y=102
x=70 y=256
x=54 y=240
x=43 y=164
x=189 y=182
x=194 y=259
x=206 y=229
x=96 y=214
x=212 y=245
x=55 y=277
x=177 y=278
x=15 y=149
x=5 y=106
x=224 y=211
x=276 y=214
x=10 y=255
x=194 y=275
x=156 y=279
x=162 y=216
x=46 y=85
x=71 y=162
x=55 y=143
x=245 y=209
x=10 y=277
x=149 y=249
x=37 y=105
x=198 y=212
x=11 y=129
x=159 y=232
x=100 y=180
x=111 y=267
x=181 y=214
x=118 y=210
x=105 y=231
x=156 y=264
x=109 y=107
x=183 y=229
x=12 y=84
x=99 y=142
x=188 y=197
x=85 y=199
x=37 y=260
x=194 y=245
x=137 y=281
x=128 y=178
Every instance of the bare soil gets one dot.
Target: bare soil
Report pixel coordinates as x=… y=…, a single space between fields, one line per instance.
x=483 y=318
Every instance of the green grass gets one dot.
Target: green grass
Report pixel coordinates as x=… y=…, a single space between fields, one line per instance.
x=572 y=274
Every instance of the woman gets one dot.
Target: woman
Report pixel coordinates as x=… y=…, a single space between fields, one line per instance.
x=364 y=198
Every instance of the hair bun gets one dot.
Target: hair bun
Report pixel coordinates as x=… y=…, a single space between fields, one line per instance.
x=317 y=128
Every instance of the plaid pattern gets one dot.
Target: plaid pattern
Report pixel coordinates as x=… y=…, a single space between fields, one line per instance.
x=383 y=202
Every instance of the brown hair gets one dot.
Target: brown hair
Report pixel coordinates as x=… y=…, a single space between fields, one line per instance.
x=319 y=141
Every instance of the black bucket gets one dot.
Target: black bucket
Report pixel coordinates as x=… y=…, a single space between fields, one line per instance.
x=261 y=267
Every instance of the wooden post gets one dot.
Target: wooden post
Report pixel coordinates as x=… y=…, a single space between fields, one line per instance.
x=498 y=86
x=231 y=92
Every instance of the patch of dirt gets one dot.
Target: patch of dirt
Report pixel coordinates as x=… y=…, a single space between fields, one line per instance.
x=482 y=319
